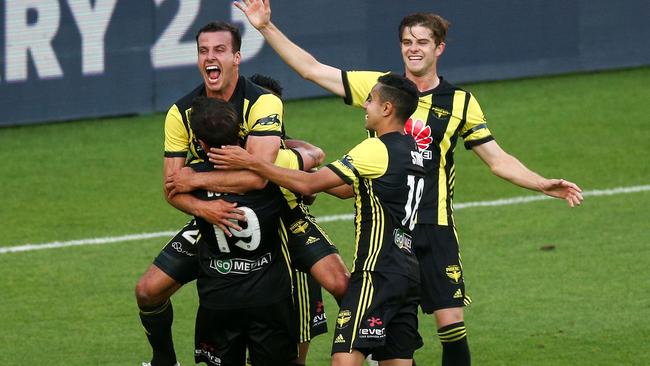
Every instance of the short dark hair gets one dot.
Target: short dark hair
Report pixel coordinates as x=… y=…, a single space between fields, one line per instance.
x=269 y=83
x=434 y=22
x=214 y=121
x=401 y=92
x=220 y=26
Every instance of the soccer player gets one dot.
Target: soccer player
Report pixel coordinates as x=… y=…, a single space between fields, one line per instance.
x=378 y=314
x=244 y=281
x=260 y=117
x=445 y=113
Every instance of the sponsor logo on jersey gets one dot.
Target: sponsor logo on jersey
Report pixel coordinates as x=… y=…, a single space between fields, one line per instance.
x=178 y=246
x=343 y=318
x=422 y=135
x=299 y=227
x=402 y=240
x=454 y=273
x=240 y=265
x=273 y=119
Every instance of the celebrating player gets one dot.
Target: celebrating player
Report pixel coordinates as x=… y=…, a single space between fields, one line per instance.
x=445 y=113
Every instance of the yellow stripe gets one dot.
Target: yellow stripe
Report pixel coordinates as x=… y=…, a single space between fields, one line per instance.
x=303 y=305
x=378 y=228
x=365 y=299
x=357 y=223
x=445 y=144
x=282 y=230
x=452 y=332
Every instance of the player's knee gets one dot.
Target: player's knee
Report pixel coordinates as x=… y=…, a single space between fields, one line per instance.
x=339 y=283
x=146 y=294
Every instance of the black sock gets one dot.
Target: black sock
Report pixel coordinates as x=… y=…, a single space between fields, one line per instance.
x=157 y=322
x=455 y=350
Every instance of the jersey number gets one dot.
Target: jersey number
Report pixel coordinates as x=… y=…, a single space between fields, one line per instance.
x=251 y=233
x=415 y=189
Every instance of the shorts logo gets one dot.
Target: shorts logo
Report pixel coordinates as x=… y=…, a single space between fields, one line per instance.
x=320 y=317
x=206 y=350
x=402 y=240
x=178 y=246
x=343 y=318
x=375 y=329
x=273 y=119
x=339 y=339
x=299 y=227
x=454 y=273
x=458 y=294
x=311 y=240
x=373 y=322
x=240 y=265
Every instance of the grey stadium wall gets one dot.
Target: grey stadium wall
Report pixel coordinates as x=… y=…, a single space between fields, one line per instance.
x=70 y=59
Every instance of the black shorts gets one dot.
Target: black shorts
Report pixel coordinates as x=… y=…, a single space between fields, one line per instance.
x=268 y=332
x=441 y=270
x=310 y=309
x=379 y=315
x=178 y=258
x=307 y=242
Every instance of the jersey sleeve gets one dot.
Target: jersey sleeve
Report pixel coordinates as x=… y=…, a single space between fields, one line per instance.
x=265 y=117
x=475 y=131
x=289 y=159
x=176 y=135
x=357 y=85
x=369 y=159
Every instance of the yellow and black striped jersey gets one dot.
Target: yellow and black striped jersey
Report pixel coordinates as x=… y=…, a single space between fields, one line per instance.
x=260 y=114
x=443 y=114
x=251 y=268
x=387 y=176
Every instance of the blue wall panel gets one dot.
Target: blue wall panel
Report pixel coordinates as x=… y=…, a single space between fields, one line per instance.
x=58 y=61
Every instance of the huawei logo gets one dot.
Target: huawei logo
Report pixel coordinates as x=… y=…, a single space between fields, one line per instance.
x=420 y=132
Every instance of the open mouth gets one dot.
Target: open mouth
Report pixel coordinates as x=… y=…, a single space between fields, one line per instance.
x=213 y=72
x=415 y=58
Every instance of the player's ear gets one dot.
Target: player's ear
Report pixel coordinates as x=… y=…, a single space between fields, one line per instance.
x=440 y=48
x=237 y=59
x=387 y=109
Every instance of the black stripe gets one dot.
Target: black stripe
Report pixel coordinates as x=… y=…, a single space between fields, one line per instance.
x=470 y=144
x=474 y=129
x=175 y=154
x=346 y=85
x=301 y=164
x=265 y=133
x=339 y=173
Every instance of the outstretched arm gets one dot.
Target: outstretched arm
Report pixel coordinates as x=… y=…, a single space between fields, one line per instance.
x=509 y=168
x=258 y=13
x=234 y=157
x=312 y=156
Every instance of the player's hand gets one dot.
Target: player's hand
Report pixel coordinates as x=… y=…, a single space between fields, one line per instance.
x=258 y=12
x=223 y=214
x=230 y=157
x=180 y=182
x=560 y=188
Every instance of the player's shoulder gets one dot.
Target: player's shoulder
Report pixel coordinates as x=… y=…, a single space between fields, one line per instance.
x=254 y=92
x=185 y=102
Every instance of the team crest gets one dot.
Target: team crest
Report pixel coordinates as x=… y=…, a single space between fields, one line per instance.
x=454 y=273
x=343 y=318
x=299 y=227
x=440 y=113
x=420 y=132
x=273 y=119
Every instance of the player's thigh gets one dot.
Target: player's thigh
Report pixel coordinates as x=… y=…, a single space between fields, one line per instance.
x=272 y=338
x=220 y=337
x=178 y=258
x=441 y=272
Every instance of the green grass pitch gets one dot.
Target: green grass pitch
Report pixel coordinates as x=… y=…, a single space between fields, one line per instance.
x=583 y=303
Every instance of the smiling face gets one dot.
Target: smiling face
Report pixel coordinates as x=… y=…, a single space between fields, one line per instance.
x=419 y=50
x=218 y=63
x=374 y=108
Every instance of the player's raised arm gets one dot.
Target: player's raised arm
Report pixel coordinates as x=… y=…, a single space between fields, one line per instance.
x=258 y=13
x=234 y=157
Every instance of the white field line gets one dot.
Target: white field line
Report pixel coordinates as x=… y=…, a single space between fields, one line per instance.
x=329 y=218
